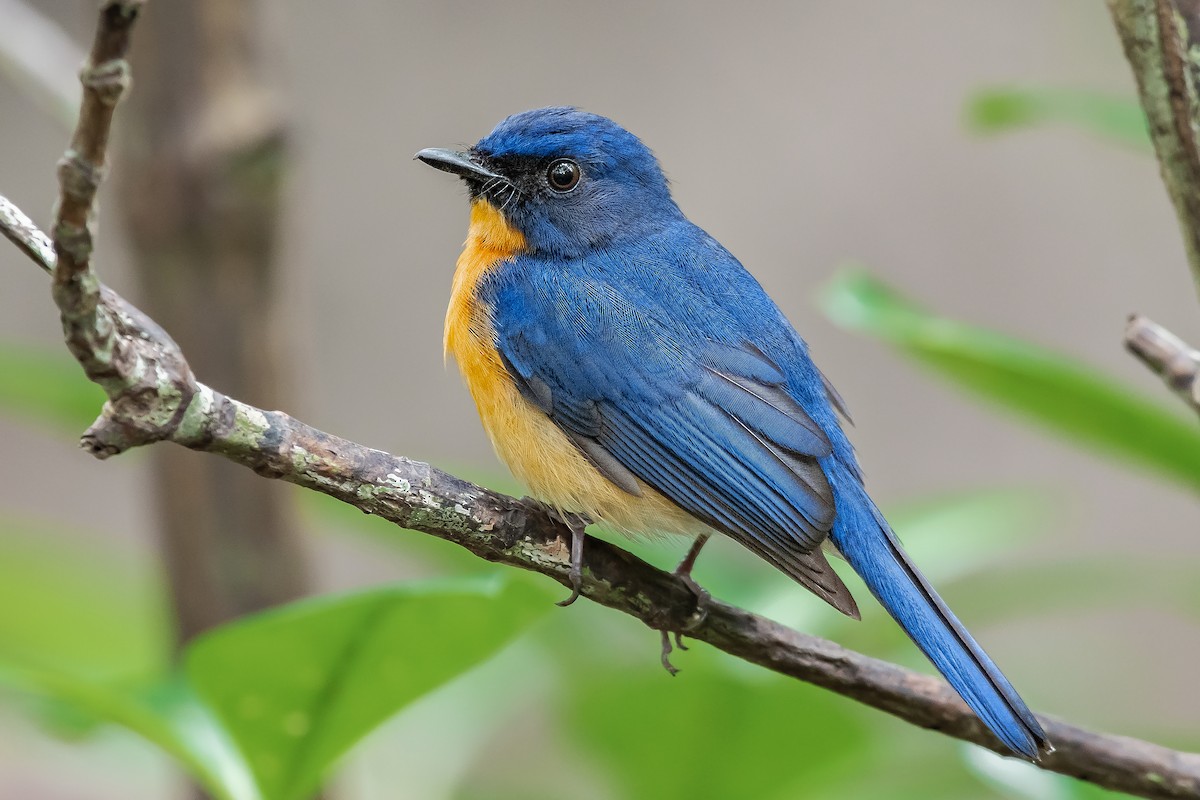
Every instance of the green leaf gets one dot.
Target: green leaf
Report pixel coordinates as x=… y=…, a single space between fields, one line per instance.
x=80 y=602
x=660 y=739
x=173 y=721
x=87 y=635
x=1063 y=395
x=296 y=687
x=1115 y=119
x=47 y=386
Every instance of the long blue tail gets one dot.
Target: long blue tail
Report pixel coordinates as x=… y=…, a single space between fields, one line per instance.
x=871 y=548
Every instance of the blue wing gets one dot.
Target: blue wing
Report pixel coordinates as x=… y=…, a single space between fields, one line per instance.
x=652 y=375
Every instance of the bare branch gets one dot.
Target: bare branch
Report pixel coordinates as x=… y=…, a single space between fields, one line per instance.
x=153 y=396
x=20 y=230
x=98 y=325
x=1168 y=356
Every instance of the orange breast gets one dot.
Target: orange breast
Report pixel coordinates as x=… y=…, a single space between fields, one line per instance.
x=537 y=452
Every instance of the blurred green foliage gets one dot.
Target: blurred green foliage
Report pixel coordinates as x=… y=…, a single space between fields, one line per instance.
x=1114 y=119
x=1068 y=398
x=262 y=709
x=45 y=385
x=107 y=597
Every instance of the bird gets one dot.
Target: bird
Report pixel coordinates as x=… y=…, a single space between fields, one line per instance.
x=630 y=371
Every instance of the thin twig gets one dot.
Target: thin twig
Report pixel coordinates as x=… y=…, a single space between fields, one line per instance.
x=20 y=230
x=105 y=77
x=153 y=396
x=108 y=336
x=1168 y=356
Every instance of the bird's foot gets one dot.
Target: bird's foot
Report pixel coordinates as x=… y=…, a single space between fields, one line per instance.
x=703 y=599
x=671 y=669
x=577 y=524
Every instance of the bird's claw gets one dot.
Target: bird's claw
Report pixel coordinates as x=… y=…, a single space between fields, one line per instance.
x=703 y=601
x=666 y=653
x=576 y=577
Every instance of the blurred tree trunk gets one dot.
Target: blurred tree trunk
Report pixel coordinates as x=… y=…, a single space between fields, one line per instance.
x=203 y=156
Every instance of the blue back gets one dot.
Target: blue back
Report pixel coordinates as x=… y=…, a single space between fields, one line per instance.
x=670 y=357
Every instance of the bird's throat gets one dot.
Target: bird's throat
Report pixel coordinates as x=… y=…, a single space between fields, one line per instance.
x=490 y=242
x=490 y=235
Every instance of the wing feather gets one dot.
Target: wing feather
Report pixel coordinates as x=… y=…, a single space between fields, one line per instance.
x=710 y=423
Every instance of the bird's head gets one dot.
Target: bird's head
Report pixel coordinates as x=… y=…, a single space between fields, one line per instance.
x=566 y=180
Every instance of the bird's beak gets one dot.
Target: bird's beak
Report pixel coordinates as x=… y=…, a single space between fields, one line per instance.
x=461 y=164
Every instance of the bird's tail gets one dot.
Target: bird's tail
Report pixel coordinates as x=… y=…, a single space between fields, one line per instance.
x=872 y=549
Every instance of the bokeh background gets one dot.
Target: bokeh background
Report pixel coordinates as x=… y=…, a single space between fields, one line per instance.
x=804 y=136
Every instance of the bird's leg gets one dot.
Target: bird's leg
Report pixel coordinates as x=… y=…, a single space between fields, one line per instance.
x=684 y=573
x=577 y=524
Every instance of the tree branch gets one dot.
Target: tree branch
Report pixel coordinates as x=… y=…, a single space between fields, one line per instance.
x=1159 y=37
x=153 y=396
x=20 y=230
x=1168 y=356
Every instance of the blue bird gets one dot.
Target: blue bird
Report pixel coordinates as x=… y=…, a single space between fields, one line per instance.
x=630 y=371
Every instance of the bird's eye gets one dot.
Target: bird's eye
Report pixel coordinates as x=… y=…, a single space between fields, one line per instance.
x=563 y=175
